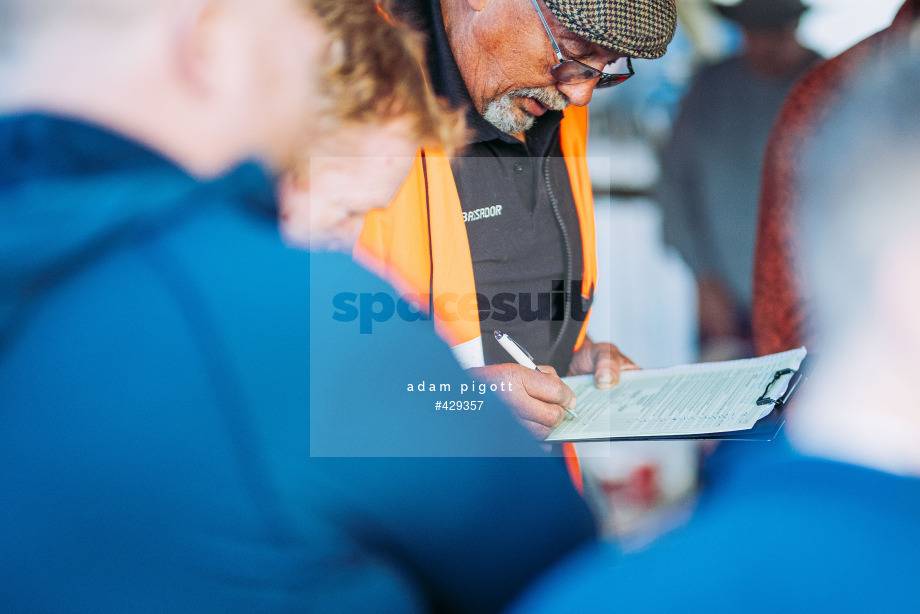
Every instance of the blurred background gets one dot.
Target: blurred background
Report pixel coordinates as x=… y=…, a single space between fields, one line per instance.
x=647 y=300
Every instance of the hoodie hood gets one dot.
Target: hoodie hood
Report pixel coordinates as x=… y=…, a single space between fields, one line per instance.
x=71 y=191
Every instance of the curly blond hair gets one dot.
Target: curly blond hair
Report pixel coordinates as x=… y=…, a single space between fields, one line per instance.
x=376 y=70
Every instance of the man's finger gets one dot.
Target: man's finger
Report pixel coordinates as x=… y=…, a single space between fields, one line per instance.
x=548 y=387
x=608 y=363
x=538 y=399
x=534 y=410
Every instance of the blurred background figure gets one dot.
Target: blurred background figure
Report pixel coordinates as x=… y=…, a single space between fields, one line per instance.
x=780 y=315
x=175 y=396
x=824 y=519
x=711 y=165
x=384 y=110
x=647 y=296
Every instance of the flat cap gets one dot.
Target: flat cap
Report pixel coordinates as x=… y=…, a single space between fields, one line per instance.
x=637 y=28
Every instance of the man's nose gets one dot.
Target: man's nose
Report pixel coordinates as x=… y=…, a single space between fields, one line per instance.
x=579 y=94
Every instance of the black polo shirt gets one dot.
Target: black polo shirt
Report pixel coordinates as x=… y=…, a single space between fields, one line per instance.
x=523 y=228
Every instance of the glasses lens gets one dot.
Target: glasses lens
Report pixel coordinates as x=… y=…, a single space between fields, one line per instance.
x=616 y=73
x=571 y=71
x=611 y=80
x=620 y=66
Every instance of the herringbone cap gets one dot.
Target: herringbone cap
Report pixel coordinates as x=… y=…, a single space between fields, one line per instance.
x=637 y=28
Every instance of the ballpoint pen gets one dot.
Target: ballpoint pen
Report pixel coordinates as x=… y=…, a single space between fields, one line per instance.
x=521 y=356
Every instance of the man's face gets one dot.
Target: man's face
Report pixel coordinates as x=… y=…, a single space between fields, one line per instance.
x=505 y=57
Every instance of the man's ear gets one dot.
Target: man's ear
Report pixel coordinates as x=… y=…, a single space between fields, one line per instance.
x=194 y=33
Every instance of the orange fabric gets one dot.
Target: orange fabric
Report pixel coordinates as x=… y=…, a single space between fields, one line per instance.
x=573 y=135
x=394 y=244
x=574 y=466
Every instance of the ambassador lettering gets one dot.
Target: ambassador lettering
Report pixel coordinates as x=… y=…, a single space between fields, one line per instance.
x=485 y=212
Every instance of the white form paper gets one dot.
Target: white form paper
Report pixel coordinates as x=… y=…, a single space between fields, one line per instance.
x=697 y=399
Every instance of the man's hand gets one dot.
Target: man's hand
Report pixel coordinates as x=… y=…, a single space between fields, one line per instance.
x=539 y=400
x=604 y=360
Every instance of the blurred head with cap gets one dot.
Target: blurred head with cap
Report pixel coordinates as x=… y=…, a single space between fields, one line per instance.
x=506 y=53
x=763 y=14
x=771 y=48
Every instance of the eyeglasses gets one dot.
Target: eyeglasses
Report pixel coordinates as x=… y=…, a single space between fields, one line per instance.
x=573 y=71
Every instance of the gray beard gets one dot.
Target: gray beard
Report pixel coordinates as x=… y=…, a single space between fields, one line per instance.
x=504 y=115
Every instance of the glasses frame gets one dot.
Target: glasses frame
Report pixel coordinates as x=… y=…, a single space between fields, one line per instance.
x=605 y=79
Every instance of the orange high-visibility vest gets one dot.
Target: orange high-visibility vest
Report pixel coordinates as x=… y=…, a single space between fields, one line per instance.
x=419 y=244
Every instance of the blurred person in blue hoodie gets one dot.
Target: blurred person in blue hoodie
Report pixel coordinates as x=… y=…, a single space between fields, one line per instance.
x=825 y=519
x=167 y=442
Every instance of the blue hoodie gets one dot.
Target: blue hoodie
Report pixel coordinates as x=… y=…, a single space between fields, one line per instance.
x=157 y=396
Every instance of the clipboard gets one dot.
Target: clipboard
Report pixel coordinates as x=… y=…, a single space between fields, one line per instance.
x=765 y=429
x=768 y=427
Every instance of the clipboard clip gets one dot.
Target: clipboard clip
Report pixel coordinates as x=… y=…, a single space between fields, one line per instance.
x=765 y=400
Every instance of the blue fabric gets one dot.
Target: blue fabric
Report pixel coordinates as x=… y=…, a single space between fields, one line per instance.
x=780 y=532
x=155 y=382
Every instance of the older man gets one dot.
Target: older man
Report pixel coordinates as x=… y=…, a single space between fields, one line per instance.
x=161 y=416
x=502 y=238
